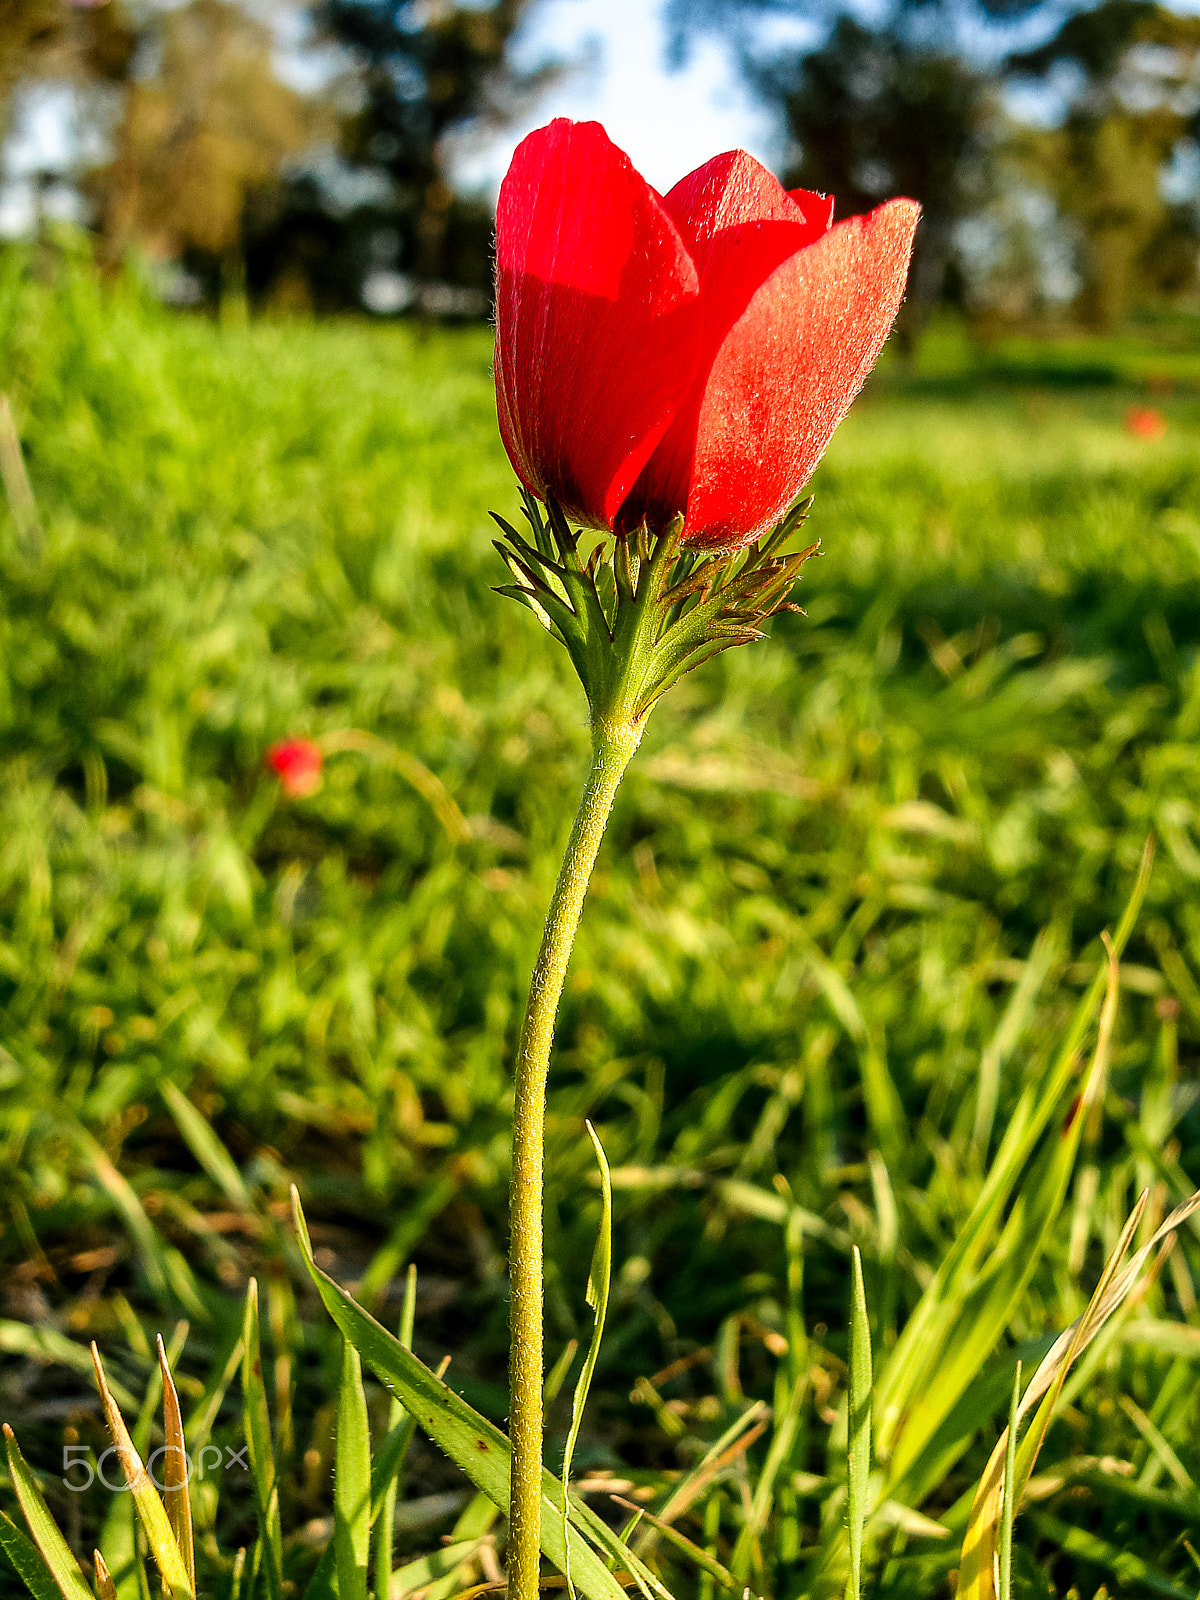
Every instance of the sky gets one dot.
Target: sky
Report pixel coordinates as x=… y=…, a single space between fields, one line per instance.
x=667 y=122
x=43 y=139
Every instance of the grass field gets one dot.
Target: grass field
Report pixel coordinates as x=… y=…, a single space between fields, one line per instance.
x=852 y=892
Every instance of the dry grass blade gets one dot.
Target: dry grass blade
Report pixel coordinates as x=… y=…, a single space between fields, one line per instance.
x=977 y=1577
x=427 y=784
x=151 y=1512
x=684 y=1545
x=16 y=482
x=723 y=1454
x=175 y=1469
x=105 y=1587
x=978 y=1574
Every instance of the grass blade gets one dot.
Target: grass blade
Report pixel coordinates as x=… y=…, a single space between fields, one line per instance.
x=977 y=1301
x=1159 y=1447
x=473 y=1443
x=977 y=1573
x=1127 y=1567
x=383 y=1493
x=141 y=1229
x=783 y=1441
x=208 y=1150
x=257 y=1421
x=207 y=1408
x=599 y=1282
x=119 y=1547
x=47 y=1344
x=683 y=1544
x=45 y=1562
x=175 y=1470
x=977 y=1577
x=426 y=1570
x=732 y=1443
x=557 y=1375
x=473 y=1529
x=388 y=1462
x=1008 y=1499
x=352 y=1481
x=1006 y=1037
x=919 y=1349
x=408 y=1231
x=427 y=784
x=858 y=1426
x=150 y=1510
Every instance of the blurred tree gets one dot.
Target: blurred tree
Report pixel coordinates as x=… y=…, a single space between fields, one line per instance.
x=218 y=164
x=872 y=114
x=907 y=103
x=85 y=42
x=1134 y=112
x=24 y=25
x=877 y=108
x=204 y=132
x=427 y=71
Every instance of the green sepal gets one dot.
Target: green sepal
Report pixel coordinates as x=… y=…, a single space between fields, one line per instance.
x=641 y=611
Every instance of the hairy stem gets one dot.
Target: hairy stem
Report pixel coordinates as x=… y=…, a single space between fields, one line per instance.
x=613 y=746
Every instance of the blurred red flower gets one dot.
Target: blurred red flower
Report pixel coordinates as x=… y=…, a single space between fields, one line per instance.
x=1145 y=422
x=297 y=764
x=691 y=353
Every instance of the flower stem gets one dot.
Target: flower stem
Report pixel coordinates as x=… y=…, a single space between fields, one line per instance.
x=612 y=748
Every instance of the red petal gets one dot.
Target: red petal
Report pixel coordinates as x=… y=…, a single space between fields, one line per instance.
x=730 y=206
x=816 y=207
x=785 y=375
x=739 y=224
x=596 y=318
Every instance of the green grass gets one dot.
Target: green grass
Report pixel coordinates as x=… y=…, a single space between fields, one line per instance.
x=877 y=850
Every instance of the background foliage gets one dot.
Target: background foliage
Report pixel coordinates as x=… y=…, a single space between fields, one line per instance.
x=1056 y=153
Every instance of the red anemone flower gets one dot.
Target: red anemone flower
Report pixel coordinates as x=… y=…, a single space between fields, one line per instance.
x=1145 y=422
x=297 y=764
x=689 y=353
